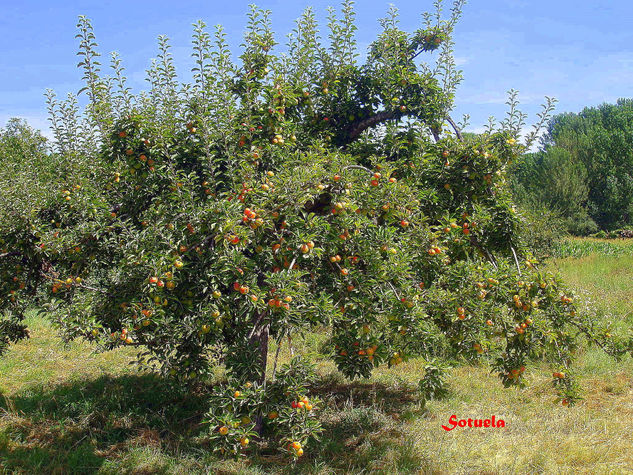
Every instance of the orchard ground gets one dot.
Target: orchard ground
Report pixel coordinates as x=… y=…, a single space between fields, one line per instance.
x=65 y=412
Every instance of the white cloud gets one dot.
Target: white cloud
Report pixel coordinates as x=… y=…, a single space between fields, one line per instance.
x=460 y=60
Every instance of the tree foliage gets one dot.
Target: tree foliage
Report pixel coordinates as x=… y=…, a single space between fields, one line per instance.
x=555 y=182
x=27 y=176
x=584 y=169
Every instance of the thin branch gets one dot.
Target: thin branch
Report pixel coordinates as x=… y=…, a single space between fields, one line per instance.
x=357 y=167
x=516 y=260
x=411 y=58
x=292 y=264
x=394 y=290
x=455 y=128
x=259 y=319
x=490 y=258
x=75 y=285
x=87 y=287
x=562 y=358
x=277 y=355
x=483 y=250
x=292 y=350
x=586 y=332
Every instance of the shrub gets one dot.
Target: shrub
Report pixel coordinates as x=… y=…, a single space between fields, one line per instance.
x=434 y=383
x=278 y=410
x=542 y=228
x=555 y=185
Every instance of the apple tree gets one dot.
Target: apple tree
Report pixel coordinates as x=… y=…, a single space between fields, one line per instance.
x=283 y=193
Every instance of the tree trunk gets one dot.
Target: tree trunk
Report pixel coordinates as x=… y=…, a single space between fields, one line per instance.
x=259 y=340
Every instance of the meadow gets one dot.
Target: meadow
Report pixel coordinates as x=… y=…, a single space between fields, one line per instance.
x=66 y=410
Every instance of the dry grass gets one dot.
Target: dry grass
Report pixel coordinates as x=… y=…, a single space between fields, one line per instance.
x=66 y=410
x=45 y=358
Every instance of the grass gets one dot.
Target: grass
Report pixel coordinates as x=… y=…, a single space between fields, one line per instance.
x=65 y=410
x=603 y=278
x=583 y=247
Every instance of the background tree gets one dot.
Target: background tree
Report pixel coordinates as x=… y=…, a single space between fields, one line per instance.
x=554 y=182
x=27 y=175
x=584 y=168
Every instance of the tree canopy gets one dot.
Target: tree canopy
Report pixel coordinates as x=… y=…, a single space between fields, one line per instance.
x=585 y=169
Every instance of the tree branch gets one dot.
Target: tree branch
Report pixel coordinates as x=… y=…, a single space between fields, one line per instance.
x=455 y=128
x=484 y=251
x=279 y=340
x=436 y=134
x=257 y=321
x=588 y=334
x=357 y=167
x=516 y=260
x=359 y=127
x=94 y=289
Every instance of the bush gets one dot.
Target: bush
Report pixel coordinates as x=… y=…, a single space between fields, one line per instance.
x=553 y=186
x=433 y=385
x=279 y=410
x=541 y=229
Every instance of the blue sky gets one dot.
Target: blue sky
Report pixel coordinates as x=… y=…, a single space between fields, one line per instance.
x=579 y=52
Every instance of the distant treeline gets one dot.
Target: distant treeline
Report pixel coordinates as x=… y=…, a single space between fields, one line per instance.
x=583 y=175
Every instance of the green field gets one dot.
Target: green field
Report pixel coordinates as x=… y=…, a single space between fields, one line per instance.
x=66 y=410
